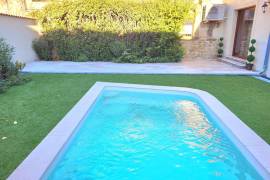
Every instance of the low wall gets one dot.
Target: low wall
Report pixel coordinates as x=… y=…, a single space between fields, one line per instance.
x=19 y=32
x=200 y=48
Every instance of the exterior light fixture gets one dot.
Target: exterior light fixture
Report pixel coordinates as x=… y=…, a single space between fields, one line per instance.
x=265 y=5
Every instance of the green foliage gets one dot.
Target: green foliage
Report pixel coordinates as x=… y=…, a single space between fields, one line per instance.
x=100 y=46
x=3 y=86
x=117 y=30
x=220 y=47
x=117 y=48
x=220 y=51
x=251 y=49
x=119 y=16
x=250 y=58
x=6 y=52
x=42 y=48
x=7 y=68
x=220 y=44
x=253 y=41
x=19 y=65
x=9 y=72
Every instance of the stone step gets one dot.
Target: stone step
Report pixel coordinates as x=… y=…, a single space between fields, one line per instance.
x=237 y=63
x=240 y=60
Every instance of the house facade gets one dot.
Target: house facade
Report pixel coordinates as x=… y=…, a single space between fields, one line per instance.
x=21 y=7
x=19 y=32
x=18 y=29
x=237 y=21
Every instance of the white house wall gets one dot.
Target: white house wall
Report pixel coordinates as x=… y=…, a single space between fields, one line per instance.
x=260 y=29
x=19 y=33
x=260 y=32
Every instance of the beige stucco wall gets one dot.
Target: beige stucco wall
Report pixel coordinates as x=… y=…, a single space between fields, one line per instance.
x=240 y=4
x=260 y=32
x=226 y=28
x=260 y=29
x=19 y=32
x=201 y=29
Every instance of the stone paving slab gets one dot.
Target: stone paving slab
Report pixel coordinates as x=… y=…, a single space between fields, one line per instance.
x=184 y=67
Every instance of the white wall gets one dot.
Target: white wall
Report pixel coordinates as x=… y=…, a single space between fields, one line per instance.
x=260 y=29
x=19 y=33
x=260 y=32
x=229 y=30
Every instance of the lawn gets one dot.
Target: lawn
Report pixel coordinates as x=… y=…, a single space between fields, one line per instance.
x=28 y=112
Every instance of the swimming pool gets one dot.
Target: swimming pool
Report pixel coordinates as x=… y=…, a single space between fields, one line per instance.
x=120 y=131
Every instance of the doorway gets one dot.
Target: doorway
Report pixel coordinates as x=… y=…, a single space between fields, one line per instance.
x=243 y=32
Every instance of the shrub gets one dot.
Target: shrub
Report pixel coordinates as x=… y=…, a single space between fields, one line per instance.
x=19 y=65
x=220 y=52
x=99 y=46
x=253 y=41
x=251 y=49
x=220 y=47
x=9 y=72
x=250 y=58
x=3 y=86
x=6 y=67
x=121 y=31
x=41 y=46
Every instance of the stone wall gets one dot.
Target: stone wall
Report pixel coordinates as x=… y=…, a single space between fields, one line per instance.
x=200 y=48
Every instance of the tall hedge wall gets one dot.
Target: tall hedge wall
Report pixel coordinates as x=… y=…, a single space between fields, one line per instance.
x=112 y=30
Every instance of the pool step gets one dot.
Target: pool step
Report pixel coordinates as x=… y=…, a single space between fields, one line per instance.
x=238 y=62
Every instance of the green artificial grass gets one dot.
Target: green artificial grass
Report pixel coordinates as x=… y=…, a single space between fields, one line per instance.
x=38 y=105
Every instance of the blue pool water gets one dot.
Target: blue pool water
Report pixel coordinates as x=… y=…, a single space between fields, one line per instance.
x=140 y=134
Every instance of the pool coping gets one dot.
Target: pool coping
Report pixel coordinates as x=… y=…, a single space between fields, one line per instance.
x=39 y=160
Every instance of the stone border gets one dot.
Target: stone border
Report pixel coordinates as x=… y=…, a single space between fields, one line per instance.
x=39 y=160
x=71 y=67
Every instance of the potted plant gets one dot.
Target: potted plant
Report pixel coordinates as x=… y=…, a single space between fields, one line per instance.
x=220 y=47
x=251 y=57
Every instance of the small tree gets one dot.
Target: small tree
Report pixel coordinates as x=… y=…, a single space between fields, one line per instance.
x=220 y=47
x=251 y=57
x=251 y=50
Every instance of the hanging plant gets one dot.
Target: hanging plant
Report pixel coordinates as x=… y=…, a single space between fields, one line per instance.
x=251 y=57
x=220 y=47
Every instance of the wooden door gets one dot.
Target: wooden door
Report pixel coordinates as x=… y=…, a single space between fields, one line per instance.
x=243 y=32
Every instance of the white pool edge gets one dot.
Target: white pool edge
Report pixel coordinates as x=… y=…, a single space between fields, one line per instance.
x=39 y=160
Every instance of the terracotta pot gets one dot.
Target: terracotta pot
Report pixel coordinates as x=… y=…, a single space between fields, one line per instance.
x=249 y=66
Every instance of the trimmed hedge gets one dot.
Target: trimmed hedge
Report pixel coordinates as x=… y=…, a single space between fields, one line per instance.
x=122 y=31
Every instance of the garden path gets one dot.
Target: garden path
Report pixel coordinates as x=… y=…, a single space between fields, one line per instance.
x=187 y=66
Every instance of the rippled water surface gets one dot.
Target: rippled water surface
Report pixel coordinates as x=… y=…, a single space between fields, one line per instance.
x=135 y=134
